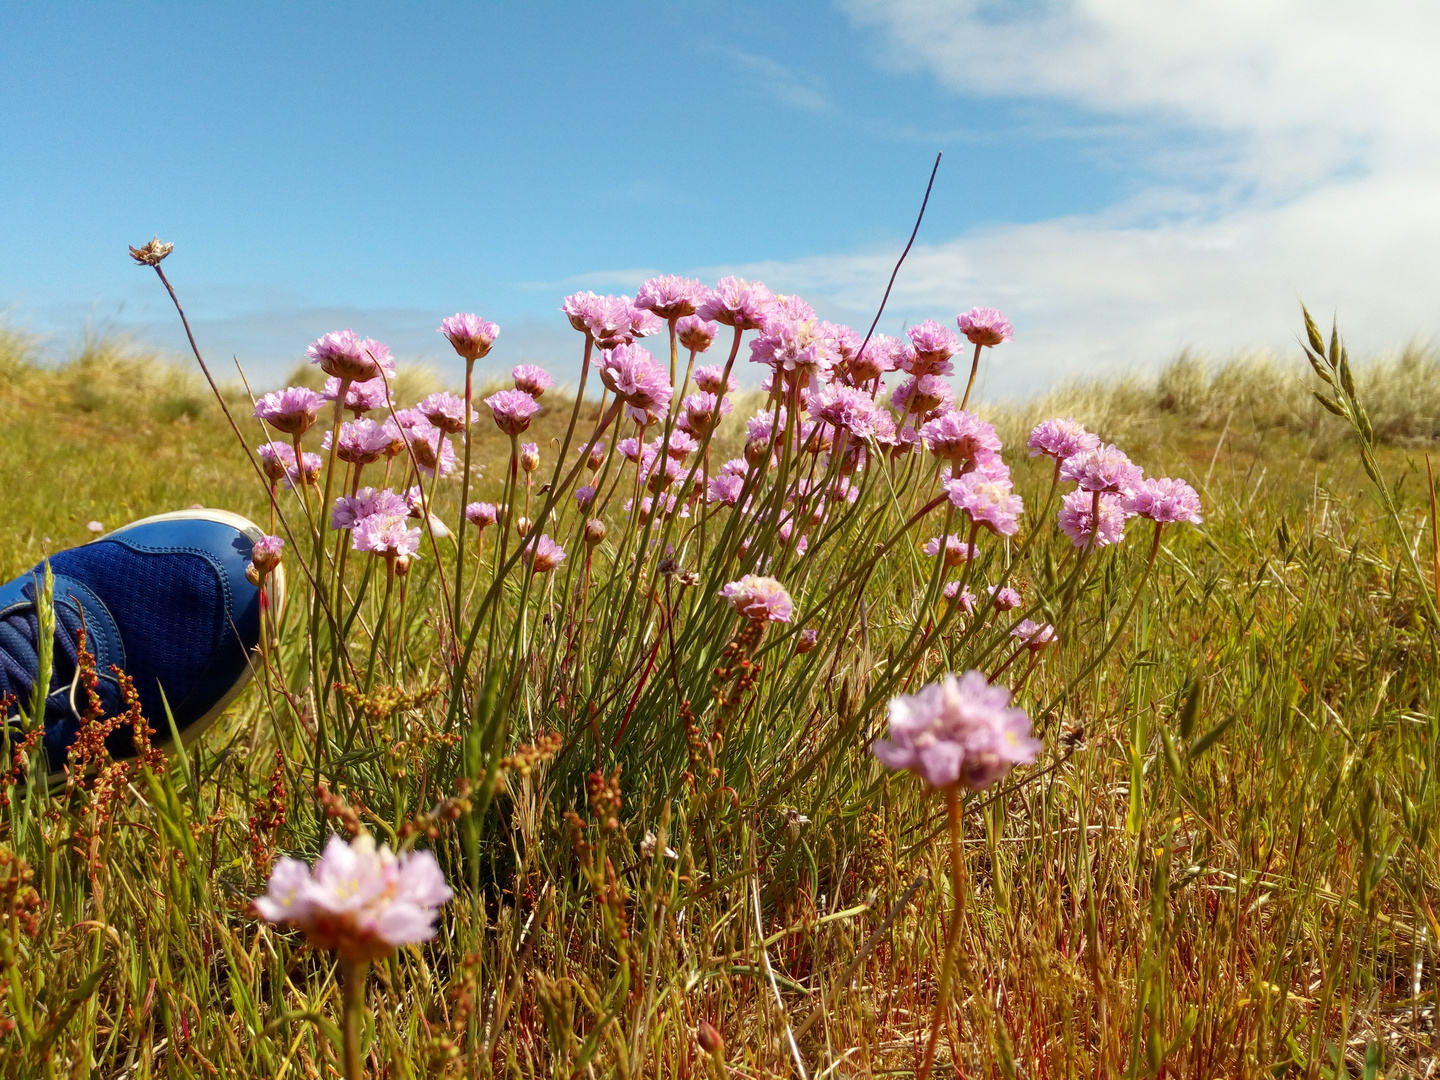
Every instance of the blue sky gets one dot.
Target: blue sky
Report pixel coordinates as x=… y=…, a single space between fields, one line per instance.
x=330 y=165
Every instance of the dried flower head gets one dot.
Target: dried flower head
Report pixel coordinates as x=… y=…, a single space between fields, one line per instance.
x=152 y=253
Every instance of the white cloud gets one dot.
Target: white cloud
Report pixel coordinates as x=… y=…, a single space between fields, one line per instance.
x=1308 y=169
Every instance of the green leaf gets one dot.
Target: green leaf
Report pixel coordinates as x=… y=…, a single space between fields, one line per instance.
x=1190 y=710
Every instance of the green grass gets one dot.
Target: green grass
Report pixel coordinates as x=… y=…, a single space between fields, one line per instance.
x=1223 y=863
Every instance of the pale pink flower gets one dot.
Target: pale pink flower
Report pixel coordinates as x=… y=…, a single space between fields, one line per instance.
x=292 y=410
x=543 y=555
x=985 y=326
x=703 y=411
x=360 y=397
x=956 y=549
x=386 y=534
x=711 y=379
x=366 y=502
x=682 y=445
x=934 y=345
x=961 y=437
x=1105 y=468
x=432 y=448
x=361 y=441
x=1060 y=439
x=738 y=303
x=471 y=336
x=612 y=320
x=793 y=308
x=481 y=514
x=735 y=467
x=513 y=410
x=1075 y=518
x=579 y=308
x=958 y=731
x=695 y=333
x=306 y=470
x=630 y=449
x=531 y=378
x=725 y=489
x=265 y=553
x=793 y=350
x=877 y=358
x=670 y=296
x=849 y=408
x=1034 y=636
x=808 y=639
x=342 y=354
x=989 y=502
x=923 y=395
x=759 y=599
x=585 y=497
x=1006 y=598
x=636 y=378
x=359 y=900
x=446 y=411
x=668 y=504
x=275 y=459
x=965 y=600
x=1164 y=500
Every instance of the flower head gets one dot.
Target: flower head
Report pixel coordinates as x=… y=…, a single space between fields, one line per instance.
x=361 y=441
x=292 y=410
x=343 y=354
x=702 y=412
x=529 y=456
x=808 y=639
x=985 y=326
x=360 y=397
x=1006 y=598
x=961 y=437
x=958 y=731
x=710 y=379
x=1034 y=636
x=304 y=471
x=695 y=333
x=471 y=336
x=275 y=459
x=956 y=549
x=543 y=555
x=670 y=296
x=736 y=302
x=759 y=599
x=513 y=410
x=636 y=378
x=432 y=448
x=265 y=553
x=446 y=411
x=1060 y=439
x=1105 y=468
x=387 y=534
x=849 y=408
x=359 y=900
x=1164 y=500
x=990 y=501
x=481 y=514
x=877 y=358
x=923 y=395
x=1076 y=511
x=152 y=253
x=725 y=489
x=934 y=345
x=531 y=378
x=366 y=502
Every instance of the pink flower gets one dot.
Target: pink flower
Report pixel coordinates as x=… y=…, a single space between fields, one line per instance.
x=531 y=378
x=432 y=448
x=1105 y=468
x=695 y=333
x=961 y=437
x=956 y=550
x=513 y=410
x=1164 y=500
x=682 y=445
x=923 y=395
x=387 y=535
x=710 y=377
x=1075 y=515
x=668 y=505
x=759 y=599
x=792 y=349
x=849 y=408
x=725 y=489
x=1060 y=439
x=613 y=321
x=529 y=456
x=585 y=497
x=985 y=326
x=276 y=458
x=808 y=639
x=635 y=377
x=793 y=308
x=965 y=600
x=292 y=410
x=579 y=308
x=630 y=449
x=446 y=411
x=364 y=503
x=360 y=900
x=735 y=467
x=878 y=358
x=265 y=553
x=989 y=502
x=307 y=470
x=958 y=731
x=544 y=555
x=1034 y=636
x=361 y=441
x=738 y=303
x=660 y=475
x=671 y=297
x=342 y=354
x=1006 y=599
x=702 y=412
x=361 y=397
x=934 y=345
x=471 y=336
x=481 y=514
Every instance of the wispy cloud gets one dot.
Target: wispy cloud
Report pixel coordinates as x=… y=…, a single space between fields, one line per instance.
x=790 y=87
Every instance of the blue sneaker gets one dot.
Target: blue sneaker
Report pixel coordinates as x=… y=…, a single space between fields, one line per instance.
x=164 y=599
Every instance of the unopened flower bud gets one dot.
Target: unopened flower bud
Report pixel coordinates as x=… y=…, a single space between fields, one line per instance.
x=522 y=525
x=265 y=553
x=757 y=451
x=597 y=456
x=252 y=575
x=529 y=457
x=594 y=531
x=152 y=254
x=402 y=565
x=709 y=1039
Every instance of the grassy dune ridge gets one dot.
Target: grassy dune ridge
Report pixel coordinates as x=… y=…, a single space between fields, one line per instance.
x=1223 y=863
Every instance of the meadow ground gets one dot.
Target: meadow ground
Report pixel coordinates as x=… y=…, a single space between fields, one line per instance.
x=1221 y=864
